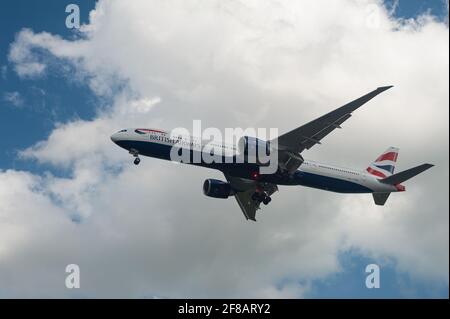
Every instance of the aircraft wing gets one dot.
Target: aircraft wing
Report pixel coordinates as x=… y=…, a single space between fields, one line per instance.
x=312 y=133
x=244 y=189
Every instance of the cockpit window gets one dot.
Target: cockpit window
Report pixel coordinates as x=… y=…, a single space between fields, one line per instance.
x=121 y=131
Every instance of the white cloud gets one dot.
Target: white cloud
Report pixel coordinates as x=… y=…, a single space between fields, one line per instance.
x=147 y=230
x=20 y=54
x=143 y=105
x=13 y=98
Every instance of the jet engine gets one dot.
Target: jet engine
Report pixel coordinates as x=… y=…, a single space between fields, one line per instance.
x=254 y=150
x=217 y=189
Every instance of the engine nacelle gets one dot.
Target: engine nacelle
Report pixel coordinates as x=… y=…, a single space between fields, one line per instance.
x=292 y=163
x=254 y=150
x=217 y=189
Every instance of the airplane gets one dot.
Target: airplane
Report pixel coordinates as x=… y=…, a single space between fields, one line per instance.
x=250 y=188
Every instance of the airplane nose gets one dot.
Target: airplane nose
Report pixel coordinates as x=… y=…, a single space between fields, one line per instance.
x=114 y=137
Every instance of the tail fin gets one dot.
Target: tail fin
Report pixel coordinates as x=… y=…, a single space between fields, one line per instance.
x=384 y=165
x=405 y=175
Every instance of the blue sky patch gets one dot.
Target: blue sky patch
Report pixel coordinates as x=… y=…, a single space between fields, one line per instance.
x=350 y=282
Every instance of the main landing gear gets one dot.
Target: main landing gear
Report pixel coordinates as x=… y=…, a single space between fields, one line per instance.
x=135 y=153
x=261 y=197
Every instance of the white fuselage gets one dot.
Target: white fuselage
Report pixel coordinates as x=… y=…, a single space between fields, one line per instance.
x=157 y=143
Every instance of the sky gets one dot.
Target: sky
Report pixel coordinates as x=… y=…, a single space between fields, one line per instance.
x=69 y=195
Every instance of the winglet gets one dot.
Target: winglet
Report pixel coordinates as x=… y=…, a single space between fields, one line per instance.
x=384 y=88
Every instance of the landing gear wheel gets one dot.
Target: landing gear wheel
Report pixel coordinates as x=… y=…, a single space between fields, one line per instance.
x=261 y=197
x=135 y=154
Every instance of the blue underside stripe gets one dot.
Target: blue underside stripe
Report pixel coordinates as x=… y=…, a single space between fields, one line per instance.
x=300 y=178
x=330 y=183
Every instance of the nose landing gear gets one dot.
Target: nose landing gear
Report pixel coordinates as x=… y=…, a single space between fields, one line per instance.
x=135 y=153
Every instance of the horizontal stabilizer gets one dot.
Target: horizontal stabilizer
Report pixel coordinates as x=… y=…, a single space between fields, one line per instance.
x=405 y=175
x=380 y=198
